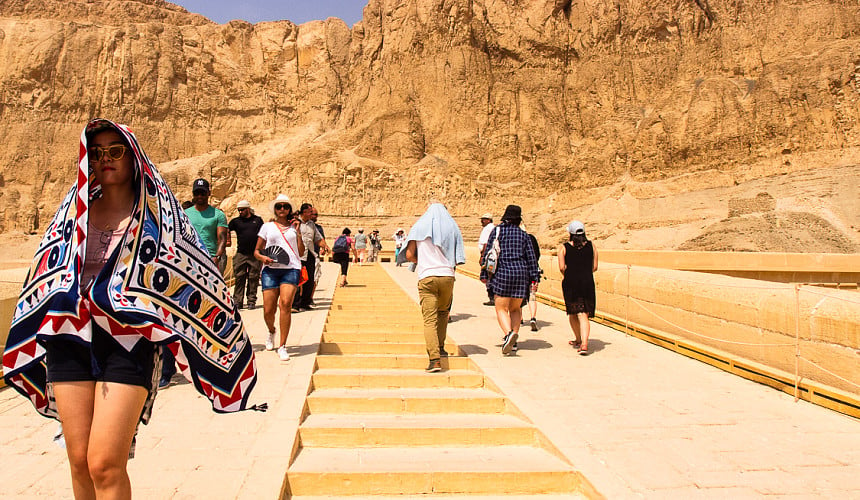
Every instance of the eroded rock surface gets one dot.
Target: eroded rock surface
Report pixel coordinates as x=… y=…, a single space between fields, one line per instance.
x=567 y=108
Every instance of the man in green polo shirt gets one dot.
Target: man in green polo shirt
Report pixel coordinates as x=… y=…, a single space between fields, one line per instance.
x=210 y=223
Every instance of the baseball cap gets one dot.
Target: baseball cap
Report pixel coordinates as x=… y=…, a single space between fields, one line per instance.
x=576 y=227
x=200 y=184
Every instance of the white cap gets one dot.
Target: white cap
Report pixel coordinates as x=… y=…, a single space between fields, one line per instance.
x=576 y=227
x=243 y=204
x=487 y=215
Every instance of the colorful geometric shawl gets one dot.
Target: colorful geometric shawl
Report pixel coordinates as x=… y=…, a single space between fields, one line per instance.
x=159 y=285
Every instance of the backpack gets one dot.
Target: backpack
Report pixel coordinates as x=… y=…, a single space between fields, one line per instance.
x=491 y=258
x=341 y=245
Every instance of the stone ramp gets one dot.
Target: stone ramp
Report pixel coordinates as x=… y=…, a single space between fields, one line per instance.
x=376 y=424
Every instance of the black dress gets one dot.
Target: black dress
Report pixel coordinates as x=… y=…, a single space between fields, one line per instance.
x=578 y=283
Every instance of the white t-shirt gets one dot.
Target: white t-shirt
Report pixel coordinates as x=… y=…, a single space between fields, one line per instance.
x=432 y=260
x=285 y=240
x=485 y=235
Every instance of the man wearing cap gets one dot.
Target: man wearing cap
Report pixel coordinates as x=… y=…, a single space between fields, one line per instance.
x=311 y=236
x=246 y=268
x=210 y=223
x=487 y=223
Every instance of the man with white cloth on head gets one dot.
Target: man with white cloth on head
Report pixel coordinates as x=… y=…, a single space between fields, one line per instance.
x=435 y=245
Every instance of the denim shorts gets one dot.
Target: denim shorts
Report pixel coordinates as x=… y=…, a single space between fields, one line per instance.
x=274 y=278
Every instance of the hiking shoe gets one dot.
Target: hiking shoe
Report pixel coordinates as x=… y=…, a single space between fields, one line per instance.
x=490 y=303
x=443 y=353
x=270 y=341
x=510 y=340
x=283 y=354
x=252 y=305
x=434 y=366
x=533 y=323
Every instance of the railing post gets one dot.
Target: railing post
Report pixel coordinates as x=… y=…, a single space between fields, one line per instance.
x=627 y=312
x=796 y=342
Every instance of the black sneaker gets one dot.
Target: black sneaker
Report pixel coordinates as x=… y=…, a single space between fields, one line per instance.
x=443 y=353
x=533 y=323
x=434 y=366
x=510 y=340
x=490 y=303
x=252 y=306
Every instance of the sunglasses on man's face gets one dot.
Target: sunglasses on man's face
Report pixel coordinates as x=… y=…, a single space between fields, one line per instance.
x=281 y=206
x=110 y=153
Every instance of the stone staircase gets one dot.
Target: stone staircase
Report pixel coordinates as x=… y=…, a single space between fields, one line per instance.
x=375 y=424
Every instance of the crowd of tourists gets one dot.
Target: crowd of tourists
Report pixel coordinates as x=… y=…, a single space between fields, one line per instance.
x=127 y=287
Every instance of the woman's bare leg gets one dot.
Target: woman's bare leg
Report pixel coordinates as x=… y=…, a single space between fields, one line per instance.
x=270 y=305
x=285 y=304
x=574 y=325
x=585 y=328
x=115 y=416
x=75 y=401
x=503 y=313
x=99 y=420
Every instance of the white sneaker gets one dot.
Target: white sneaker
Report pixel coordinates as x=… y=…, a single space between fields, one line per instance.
x=283 y=354
x=270 y=341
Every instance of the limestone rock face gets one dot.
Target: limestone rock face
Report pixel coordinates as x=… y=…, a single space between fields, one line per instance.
x=477 y=103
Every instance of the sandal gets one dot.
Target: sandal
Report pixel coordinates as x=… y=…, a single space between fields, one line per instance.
x=583 y=350
x=574 y=343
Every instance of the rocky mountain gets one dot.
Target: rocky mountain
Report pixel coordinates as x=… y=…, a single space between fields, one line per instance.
x=560 y=105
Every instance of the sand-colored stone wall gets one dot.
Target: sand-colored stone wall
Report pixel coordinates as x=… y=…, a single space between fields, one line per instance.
x=770 y=266
x=748 y=319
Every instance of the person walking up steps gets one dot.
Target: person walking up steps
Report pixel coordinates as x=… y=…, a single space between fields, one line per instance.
x=516 y=274
x=399 y=241
x=246 y=267
x=577 y=262
x=361 y=246
x=279 y=248
x=341 y=249
x=487 y=228
x=435 y=244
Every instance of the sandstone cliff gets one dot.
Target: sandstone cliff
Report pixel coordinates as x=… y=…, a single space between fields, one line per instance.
x=560 y=105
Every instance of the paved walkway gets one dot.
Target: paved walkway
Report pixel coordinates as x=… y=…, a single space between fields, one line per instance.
x=638 y=421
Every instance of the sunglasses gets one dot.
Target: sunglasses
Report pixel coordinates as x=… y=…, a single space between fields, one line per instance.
x=110 y=153
x=282 y=206
x=246 y=208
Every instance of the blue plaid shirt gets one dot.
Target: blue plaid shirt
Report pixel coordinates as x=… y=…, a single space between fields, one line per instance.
x=517 y=268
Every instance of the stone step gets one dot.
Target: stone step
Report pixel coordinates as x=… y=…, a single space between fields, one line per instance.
x=373 y=336
x=406 y=401
x=377 y=348
x=393 y=361
x=393 y=378
x=388 y=320
x=430 y=470
x=346 y=328
x=548 y=496
x=349 y=430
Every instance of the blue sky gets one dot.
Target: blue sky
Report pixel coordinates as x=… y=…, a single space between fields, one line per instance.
x=254 y=11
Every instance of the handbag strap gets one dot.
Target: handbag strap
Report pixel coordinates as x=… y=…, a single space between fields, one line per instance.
x=284 y=236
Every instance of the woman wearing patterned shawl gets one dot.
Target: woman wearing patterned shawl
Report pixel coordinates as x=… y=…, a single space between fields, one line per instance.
x=119 y=275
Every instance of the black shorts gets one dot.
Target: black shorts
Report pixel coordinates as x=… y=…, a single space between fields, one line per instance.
x=104 y=360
